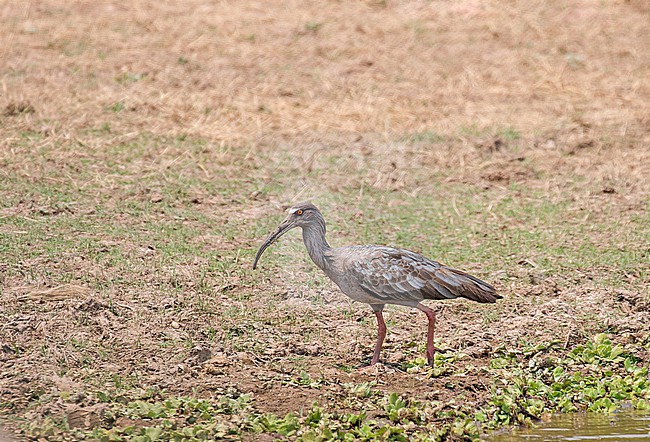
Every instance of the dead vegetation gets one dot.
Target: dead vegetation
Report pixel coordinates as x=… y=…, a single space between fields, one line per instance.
x=147 y=147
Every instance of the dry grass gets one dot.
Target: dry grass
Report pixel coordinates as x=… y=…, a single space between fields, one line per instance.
x=147 y=147
x=239 y=72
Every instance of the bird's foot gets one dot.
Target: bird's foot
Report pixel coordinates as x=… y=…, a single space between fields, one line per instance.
x=431 y=354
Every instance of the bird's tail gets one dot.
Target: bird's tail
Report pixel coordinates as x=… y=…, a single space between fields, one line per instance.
x=461 y=284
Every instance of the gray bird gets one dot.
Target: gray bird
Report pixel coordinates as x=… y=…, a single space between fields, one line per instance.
x=379 y=275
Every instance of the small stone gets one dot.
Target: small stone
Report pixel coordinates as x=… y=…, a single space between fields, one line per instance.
x=244 y=357
x=203 y=354
x=218 y=360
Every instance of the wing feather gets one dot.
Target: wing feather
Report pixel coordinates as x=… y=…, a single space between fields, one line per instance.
x=404 y=277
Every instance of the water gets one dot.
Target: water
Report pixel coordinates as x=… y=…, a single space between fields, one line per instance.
x=625 y=426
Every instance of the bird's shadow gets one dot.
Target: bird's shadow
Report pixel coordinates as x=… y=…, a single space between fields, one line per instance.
x=365 y=366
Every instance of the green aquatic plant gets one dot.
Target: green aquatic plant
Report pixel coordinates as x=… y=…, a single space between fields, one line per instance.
x=524 y=383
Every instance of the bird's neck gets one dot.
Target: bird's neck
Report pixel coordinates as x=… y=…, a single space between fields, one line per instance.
x=317 y=246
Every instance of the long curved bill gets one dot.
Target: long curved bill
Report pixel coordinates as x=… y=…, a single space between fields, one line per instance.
x=283 y=228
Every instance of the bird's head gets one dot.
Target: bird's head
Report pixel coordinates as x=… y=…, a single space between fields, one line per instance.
x=300 y=215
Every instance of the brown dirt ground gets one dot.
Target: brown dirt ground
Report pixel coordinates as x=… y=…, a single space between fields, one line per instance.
x=298 y=79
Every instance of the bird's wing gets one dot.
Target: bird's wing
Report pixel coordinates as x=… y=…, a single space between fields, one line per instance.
x=401 y=276
x=394 y=275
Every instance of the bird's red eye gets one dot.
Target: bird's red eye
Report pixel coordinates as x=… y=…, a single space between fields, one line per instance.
x=299 y=212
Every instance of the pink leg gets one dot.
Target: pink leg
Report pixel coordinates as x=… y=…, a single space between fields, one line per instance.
x=381 y=334
x=431 y=316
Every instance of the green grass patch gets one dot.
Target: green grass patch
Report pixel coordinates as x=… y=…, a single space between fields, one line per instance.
x=525 y=383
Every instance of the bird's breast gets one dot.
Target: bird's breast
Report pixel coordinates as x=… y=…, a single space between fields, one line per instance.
x=353 y=290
